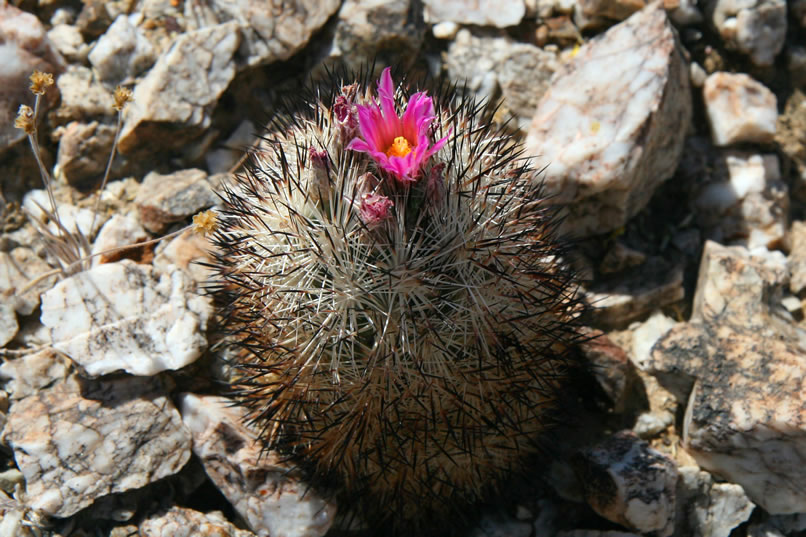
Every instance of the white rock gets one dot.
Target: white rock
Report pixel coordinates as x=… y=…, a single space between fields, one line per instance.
x=82 y=96
x=69 y=42
x=267 y=493
x=221 y=160
x=117 y=231
x=33 y=372
x=77 y=441
x=445 y=30
x=750 y=208
x=71 y=218
x=739 y=109
x=183 y=522
x=123 y=52
x=124 y=316
x=499 y=13
x=713 y=509
x=186 y=251
x=754 y=27
x=645 y=336
x=697 y=75
x=611 y=126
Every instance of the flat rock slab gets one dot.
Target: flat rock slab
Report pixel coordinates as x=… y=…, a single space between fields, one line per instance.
x=75 y=442
x=612 y=124
x=266 y=492
x=127 y=317
x=741 y=366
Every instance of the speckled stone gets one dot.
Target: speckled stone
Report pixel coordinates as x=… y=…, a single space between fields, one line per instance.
x=183 y=522
x=612 y=124
x=75 y=442
x=499 y=13
x=741 y=367
x=627 y=482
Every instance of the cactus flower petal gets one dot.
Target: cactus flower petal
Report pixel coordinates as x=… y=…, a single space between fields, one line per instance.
x=399 y=144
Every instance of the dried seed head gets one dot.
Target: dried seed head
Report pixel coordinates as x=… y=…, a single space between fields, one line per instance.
x=40 y=82
x=122 y=96
x=25 y=119
x=205 y=223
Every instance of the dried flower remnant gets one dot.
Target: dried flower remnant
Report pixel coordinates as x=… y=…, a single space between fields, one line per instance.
x=399 y=144
x=25 y=119
x=205 y=223
x=40 y=82
x=122 y=96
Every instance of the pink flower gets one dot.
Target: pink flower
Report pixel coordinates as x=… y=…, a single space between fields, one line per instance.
x=374 y=208
x=399 y=144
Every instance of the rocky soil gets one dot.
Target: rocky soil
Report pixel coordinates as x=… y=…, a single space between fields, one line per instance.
x=674 y=132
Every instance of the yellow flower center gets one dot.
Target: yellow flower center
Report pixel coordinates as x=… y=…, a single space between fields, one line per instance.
x=399 y=148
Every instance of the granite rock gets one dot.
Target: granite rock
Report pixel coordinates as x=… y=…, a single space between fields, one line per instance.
x=754 y=27
x=76 y=442
x=629 y=483
x=740 y=366
x=269 y=496
x=613 y=122
x=500 y=13
x=124 y=316
x=739 y=109
x=173 y=102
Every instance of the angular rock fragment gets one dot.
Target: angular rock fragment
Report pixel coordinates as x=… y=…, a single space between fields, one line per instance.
x=711 y=509
x=183 y=522
x=754 y=27
x=83 y=97
x=270 y=31
x=164 y=199
x=117 y=232
x=265 y=491
x=629 y=483
x=124 y=316
x=24 y=48
x=797 y=257
x=84 y=150
x=741 y=366
x=485 y=63
x=499 y=13
x=746 y=204
x=8 y=319
x=389 y=32
x=612 y=124
x=17 y=268
x=123 y=52
x=739 y=109
x=26 y=375
x=173 y=102
x=75 y=442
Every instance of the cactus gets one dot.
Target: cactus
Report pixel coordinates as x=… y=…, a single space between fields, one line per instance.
x=390 y=271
